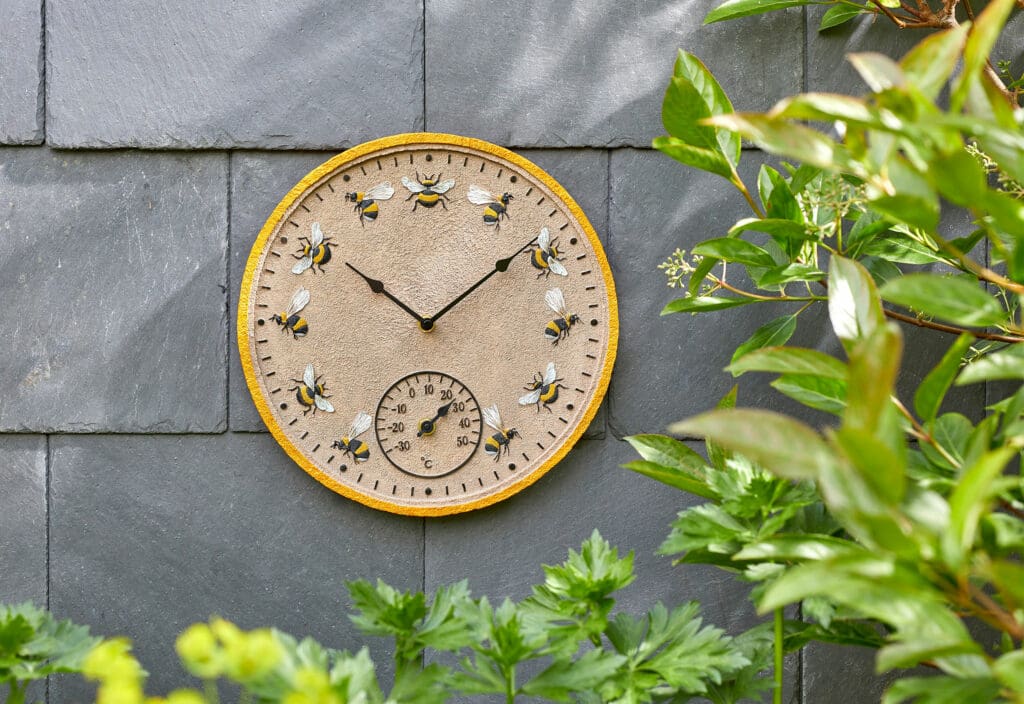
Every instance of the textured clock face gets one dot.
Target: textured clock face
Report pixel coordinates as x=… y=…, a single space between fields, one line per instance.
x=428 y=323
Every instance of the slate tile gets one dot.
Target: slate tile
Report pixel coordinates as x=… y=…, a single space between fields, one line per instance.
x=198 y=75
x=260 y=180
x=23 y=519
x=533 y=74
x=112 y=273
x=671 y=367
x=151 y=534
x=21 y=69
x=837 y=674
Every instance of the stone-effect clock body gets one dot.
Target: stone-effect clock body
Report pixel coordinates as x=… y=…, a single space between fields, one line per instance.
x=427 y=323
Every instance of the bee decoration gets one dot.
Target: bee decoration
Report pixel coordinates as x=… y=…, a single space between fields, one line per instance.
x=349 y=444
x=290 y=318
x=311 y=392
x=558 y=329
x=315 y=252
x=545 y=257
x=494 y=444
x=427 y=191
x=543 y=389
x=497 y=207
x=366 y=201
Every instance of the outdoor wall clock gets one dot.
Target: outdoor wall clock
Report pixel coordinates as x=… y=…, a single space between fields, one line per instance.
x=427 y=323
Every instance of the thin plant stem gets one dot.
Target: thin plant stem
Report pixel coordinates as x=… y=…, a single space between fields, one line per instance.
x=777 y=694
x=742 y=188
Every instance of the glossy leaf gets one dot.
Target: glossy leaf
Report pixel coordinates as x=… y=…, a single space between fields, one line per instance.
x=969 y=501
x=837 y=15
x=771 y=334
x=933 y=387
x=667 y=451
x=694 y=94
x=1009 y=669
x=784 y=446
x=787 y=548
x=734 y=250
x=898 y=247
x=784 y=230
x=853 y=304
x=703 y=304
x=672 y=476
x=789 y=360
x=697 y=157
x=874 y=362
x=941 y=690
x=931 y=62
x=980 y=41
x=823 y=394
x=946 y=298
x=732 y=9
x=878 y=70
x=788 y=274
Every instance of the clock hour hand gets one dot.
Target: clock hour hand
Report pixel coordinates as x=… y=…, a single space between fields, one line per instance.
x=378 y=287
x=500 y=265
x=427 y=427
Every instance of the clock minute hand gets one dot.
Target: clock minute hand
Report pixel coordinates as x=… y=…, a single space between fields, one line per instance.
x=378 y=287
x=500 y=265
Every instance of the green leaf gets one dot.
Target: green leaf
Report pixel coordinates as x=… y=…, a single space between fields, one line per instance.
x=789 y=273
x=734 y=250
x=671 y=476
x=784 y=446
x=778 y=199
x=931 y=62
x=868 y=226
x=786 y=138
x=697 y=157
x=952 y=431
x=906 y=655
x=771 y=334
x=1005 y=364
x=941 y=690
x=1009 y=669
x=853 y=304
x=897 y=247
x=786 y=548
x=784 y=230
x=874 y=362
x=878 y=70
x=933 y=388
x=980 y=40
x=689 y=69
x=837 y=15
x=946 y=298
x=704 y=304
x=1009 y=578
x=565 y=677
x=669 y=452
x=833 y=107
x=823 y=394
x=968 y=503
x=880 y=469
x=717 y=454
x=732 y=9
x=789 y=360
x=960 y=178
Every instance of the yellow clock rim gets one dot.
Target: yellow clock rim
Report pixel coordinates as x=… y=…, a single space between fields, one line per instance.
x=242 y=329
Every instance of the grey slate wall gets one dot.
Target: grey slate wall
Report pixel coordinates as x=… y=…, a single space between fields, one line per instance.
x=138 y=489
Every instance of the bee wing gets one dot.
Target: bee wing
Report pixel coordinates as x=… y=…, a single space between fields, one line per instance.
x=555 y=300
x=323 y=404
x=530 y=398
x=309 y=376
x=382 y=191
x=557 y=267
x=302 y=265
x=299 y=300
x=550 y=374
x=479 y=196
x=360 y=424
x=413 y=185
x=318 y=235
x=544 y=239
x=444 y=186
x=492 y=417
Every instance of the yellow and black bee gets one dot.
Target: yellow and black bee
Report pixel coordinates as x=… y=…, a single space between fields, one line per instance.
x=494 y=444
x=558 y=329
x=311 y=392
x=427 y=191
x=545 y=257
x=497 y=207
x=290 y=318
x=543 y=389
x=366 y=202
x=315 y=252
x=349 y=444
